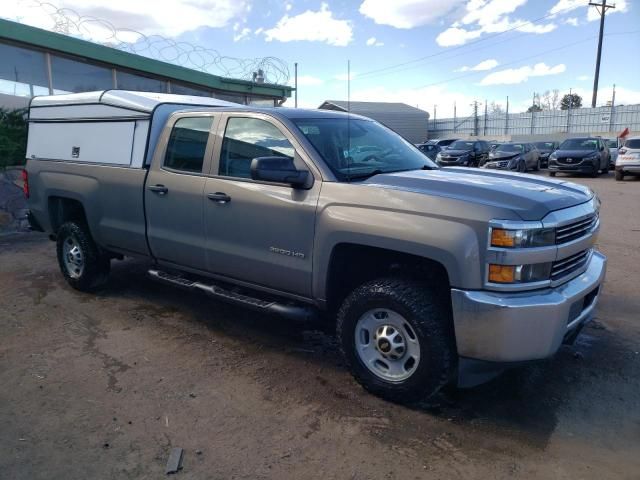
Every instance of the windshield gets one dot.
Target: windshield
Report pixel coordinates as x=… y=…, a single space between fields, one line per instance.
x=510 y=147
x=544 y=145
x=579 y=144
x=610 y=142
x=461 y=145
x=355 y=148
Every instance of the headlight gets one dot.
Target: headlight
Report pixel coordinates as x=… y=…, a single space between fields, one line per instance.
x=553 y=156
x=522 y=238
x=592 y=157
x=439 y=156
x=536 y=272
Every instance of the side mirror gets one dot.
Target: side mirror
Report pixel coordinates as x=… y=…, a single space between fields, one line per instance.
x=279 y=170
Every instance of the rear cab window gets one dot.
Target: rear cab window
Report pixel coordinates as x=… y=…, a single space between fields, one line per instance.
x=187 y=144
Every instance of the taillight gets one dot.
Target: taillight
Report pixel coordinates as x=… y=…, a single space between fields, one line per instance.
x=622 y=151
x=25 y=183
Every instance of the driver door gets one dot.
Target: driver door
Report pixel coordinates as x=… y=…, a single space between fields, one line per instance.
x=258 y=232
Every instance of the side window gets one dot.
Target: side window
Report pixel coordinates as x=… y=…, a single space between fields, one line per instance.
x=187 y=144
x=249 y=138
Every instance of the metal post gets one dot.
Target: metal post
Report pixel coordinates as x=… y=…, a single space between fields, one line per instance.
x=602 y=10
x=613 y=108
x=295 y=66
x=455 y=117
x=569 y=110
x=47 y=57
x=475 y=118
x=434 y=117
x=484 y=130
x=506 y=119
x=533 y=111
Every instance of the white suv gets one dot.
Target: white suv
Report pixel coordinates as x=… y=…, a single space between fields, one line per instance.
x=628 y=162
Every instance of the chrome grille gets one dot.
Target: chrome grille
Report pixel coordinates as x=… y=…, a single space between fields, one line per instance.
x=574 y=230
x=566 y=266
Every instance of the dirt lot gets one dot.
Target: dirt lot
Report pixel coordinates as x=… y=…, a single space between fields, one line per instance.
x=102 y=386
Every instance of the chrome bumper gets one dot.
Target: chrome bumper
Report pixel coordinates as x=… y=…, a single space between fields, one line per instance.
x=515 y=327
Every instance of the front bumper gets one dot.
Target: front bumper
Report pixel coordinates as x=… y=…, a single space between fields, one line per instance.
x=515 y=327
x=583 y=167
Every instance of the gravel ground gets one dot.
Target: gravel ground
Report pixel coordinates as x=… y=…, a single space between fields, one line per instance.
x=104 y=385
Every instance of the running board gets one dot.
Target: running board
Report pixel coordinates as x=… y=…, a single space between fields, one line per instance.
x=294 y=312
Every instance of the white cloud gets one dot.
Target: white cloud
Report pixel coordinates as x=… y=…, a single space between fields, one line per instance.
x=288 y=7
x=145 y=16
x=583 y=78
x=566 y=6
x=313 y=26
x=488 y=16
x=488 y=64
x=242 y=34
x=309 y=81
x=373 y=42
x=624 y=96
x=407 y=13
x=512 y=76
x=573 y=21
x=343 y=77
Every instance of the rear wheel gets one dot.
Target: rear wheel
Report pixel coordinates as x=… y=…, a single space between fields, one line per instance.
x=80 y=261
x=397 y=337
x=619 y=175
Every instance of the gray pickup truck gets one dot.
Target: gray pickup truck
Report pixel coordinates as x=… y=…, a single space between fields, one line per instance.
x=431 y=275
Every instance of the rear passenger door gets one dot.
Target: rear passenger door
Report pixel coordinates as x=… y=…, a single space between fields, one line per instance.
x=174 y=190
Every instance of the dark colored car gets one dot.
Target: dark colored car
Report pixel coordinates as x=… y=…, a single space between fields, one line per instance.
x=514 y=156
x=443 y=143
x=464 y=153
x=431 y=150
x=545 y=149
x=587 y=155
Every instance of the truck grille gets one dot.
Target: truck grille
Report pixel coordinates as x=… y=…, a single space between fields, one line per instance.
x=566 y=266
x=575 y=230
x=570 y=161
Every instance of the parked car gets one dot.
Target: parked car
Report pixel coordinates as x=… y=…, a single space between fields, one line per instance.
x=628 y=162
x=587 y=155
x=464 y=153
x=429 y=276
x=429 y=149
x=545 y=149
x=443 y=143
x=612 y=143
x=514 y=156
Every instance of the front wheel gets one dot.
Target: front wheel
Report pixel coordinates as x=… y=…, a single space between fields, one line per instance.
x=619 y=175
x=80 y=261
x=595 y=172
x=522 y=167
x=552 y=174
x=397 y=338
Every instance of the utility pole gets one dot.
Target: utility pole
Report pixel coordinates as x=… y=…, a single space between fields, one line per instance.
x=434 y=116
x=295 y=66
x=455 y=117
x=602 y=10
x=613 y=106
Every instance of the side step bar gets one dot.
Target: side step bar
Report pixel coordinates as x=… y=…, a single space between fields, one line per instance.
x=294 y=312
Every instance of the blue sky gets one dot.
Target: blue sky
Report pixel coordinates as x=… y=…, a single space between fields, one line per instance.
x=419 y=52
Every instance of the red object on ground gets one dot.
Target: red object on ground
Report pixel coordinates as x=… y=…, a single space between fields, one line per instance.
x=25 y=184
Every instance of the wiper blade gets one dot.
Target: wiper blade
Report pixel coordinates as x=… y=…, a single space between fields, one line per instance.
x=363 y=176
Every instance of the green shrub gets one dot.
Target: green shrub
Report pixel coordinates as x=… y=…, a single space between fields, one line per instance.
x=13 y=137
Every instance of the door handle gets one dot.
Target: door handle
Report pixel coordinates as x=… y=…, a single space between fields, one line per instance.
x=159 y=189
x=219 y=197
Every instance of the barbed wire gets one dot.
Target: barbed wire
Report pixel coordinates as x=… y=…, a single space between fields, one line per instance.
x=186 y=54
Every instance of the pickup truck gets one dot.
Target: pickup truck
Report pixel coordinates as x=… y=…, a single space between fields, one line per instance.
x=432 y=276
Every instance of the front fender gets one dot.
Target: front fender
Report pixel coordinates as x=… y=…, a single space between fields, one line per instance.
x=448 y=242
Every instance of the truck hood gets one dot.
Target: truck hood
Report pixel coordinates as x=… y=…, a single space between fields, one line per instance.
x=502 y=156
x=530 y=197
x=455 y=153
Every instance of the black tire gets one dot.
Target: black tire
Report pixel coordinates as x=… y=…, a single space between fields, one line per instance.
x=538 y=165
x=605 y=170
x=522 y=167
x=619 y=176
x=552 y=174
x=429 y=318
x=96 y=266
x=596 y=171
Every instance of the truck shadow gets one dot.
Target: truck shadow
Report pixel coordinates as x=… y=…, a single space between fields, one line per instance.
x=522 y=405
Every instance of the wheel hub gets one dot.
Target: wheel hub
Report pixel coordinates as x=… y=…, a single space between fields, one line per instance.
x=73 y=258
x=390 y=342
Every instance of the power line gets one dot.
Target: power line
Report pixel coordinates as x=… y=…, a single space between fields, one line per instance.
x=489 y=37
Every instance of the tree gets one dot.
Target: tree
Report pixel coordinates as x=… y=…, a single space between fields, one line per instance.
x=534 y=108
x=571 y=100
x=495 y=108
x=13 y=137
